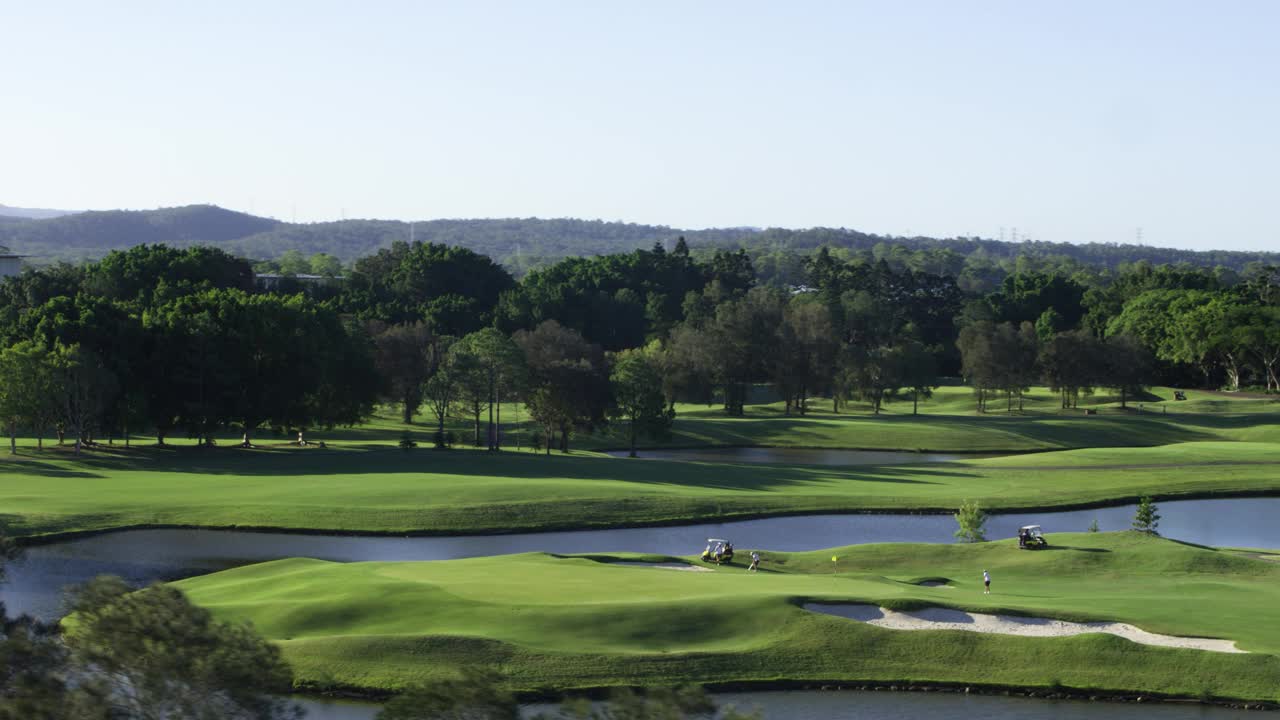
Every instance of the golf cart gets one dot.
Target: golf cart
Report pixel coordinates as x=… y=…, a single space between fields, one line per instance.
x=718 y=551
x=1030 y=537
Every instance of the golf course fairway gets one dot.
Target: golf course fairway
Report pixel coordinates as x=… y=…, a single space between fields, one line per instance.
x=557 y=623
x=467 y=492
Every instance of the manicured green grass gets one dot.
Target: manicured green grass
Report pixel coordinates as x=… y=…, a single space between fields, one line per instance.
x=958 y=433
x=947 y=423
x=470 y=491
x=574 y=622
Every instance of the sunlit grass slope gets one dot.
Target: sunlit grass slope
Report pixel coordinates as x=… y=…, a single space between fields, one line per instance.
x=947 y=422
x=466 y=492
x=572 y=622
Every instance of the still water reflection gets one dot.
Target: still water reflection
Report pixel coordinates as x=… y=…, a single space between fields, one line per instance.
x=144 y=556
x=849 y=705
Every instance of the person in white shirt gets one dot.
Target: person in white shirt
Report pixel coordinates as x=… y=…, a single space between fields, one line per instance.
x=986 y=581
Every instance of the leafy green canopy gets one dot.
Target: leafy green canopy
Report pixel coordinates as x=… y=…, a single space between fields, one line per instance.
x=139 y=656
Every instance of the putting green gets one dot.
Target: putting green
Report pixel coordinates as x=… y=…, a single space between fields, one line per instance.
x=553 y=622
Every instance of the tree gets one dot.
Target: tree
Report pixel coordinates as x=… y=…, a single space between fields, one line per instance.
x=293 y=262
x=1049 y=323
x=85 y=386
x=1015 y=351
x=1146 y=519
x=27 y=390
x=280 y=361
x=972 y=523
x=569 y=386
x=153 y=654
x=978 y=359
x=441 y=389
x=1202 y=334
x=998 y=357
x=689 y=370
x=918 y=371
x=406 y=356
x=33 y=682
x=325 y=265
x=148 y=275
x=745 y=337
x=688 y=701
x=637 y=392
x=499 y=370
x=453 y=289
x=1126 y=366
x=1256 y=328
x=1076 y=361
x=873 y=374
x=1026 y=296
x=191 y=386
x=805 y=352
x=146 y=655
x=472 y=381
x=473 y=696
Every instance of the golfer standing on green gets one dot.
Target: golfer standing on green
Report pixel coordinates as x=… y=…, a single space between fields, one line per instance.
x=986 y=581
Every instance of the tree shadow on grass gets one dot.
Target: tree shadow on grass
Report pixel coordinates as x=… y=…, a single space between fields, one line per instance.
x=358 y=464
x=1056 y=548
x=44 y=469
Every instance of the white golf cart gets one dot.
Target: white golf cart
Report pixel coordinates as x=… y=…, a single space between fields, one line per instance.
x=718 y=551
x=1031 y=537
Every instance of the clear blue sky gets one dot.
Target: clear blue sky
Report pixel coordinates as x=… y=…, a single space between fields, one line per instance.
x=1071 y=121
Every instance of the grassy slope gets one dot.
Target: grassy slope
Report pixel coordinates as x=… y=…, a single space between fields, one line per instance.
x=552 y=622
x=946 y=423
x=462 y=491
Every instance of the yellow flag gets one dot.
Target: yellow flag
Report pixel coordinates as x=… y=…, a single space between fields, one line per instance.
x=833 y=558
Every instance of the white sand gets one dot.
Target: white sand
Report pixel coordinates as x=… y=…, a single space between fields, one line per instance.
x=944 y=619
x=665 y=566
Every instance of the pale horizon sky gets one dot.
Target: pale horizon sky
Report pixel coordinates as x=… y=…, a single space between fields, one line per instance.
x=1071 y=122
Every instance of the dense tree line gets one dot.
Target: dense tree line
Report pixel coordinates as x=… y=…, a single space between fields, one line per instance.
x=524 y=244
x=182 y=340
x=1171 y=325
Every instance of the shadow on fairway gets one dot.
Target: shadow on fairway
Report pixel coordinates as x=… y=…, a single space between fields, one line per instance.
x=22 y=466
x=223 y=461
x=1057 y=548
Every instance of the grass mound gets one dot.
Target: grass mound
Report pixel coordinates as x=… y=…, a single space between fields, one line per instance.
x=573 y=621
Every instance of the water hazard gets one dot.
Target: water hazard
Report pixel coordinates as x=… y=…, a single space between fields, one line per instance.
x=853 y=705
x=35 y=583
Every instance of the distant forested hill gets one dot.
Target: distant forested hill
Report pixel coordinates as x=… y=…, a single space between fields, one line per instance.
x=7 y=212
x=518 y=243
x=93 y=234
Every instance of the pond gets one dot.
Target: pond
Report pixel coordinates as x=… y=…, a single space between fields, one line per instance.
x=855 y=705
x=36 y=581
x=798 y=456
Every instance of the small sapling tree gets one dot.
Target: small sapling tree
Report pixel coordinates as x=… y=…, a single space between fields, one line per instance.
x=1146 y=519
x=972 y=521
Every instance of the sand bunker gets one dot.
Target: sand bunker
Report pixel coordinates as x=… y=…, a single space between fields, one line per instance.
x=944 y=619
x=665 y=566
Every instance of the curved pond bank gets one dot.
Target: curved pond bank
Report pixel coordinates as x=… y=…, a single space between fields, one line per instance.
x=857 y=705
x=35 y=582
